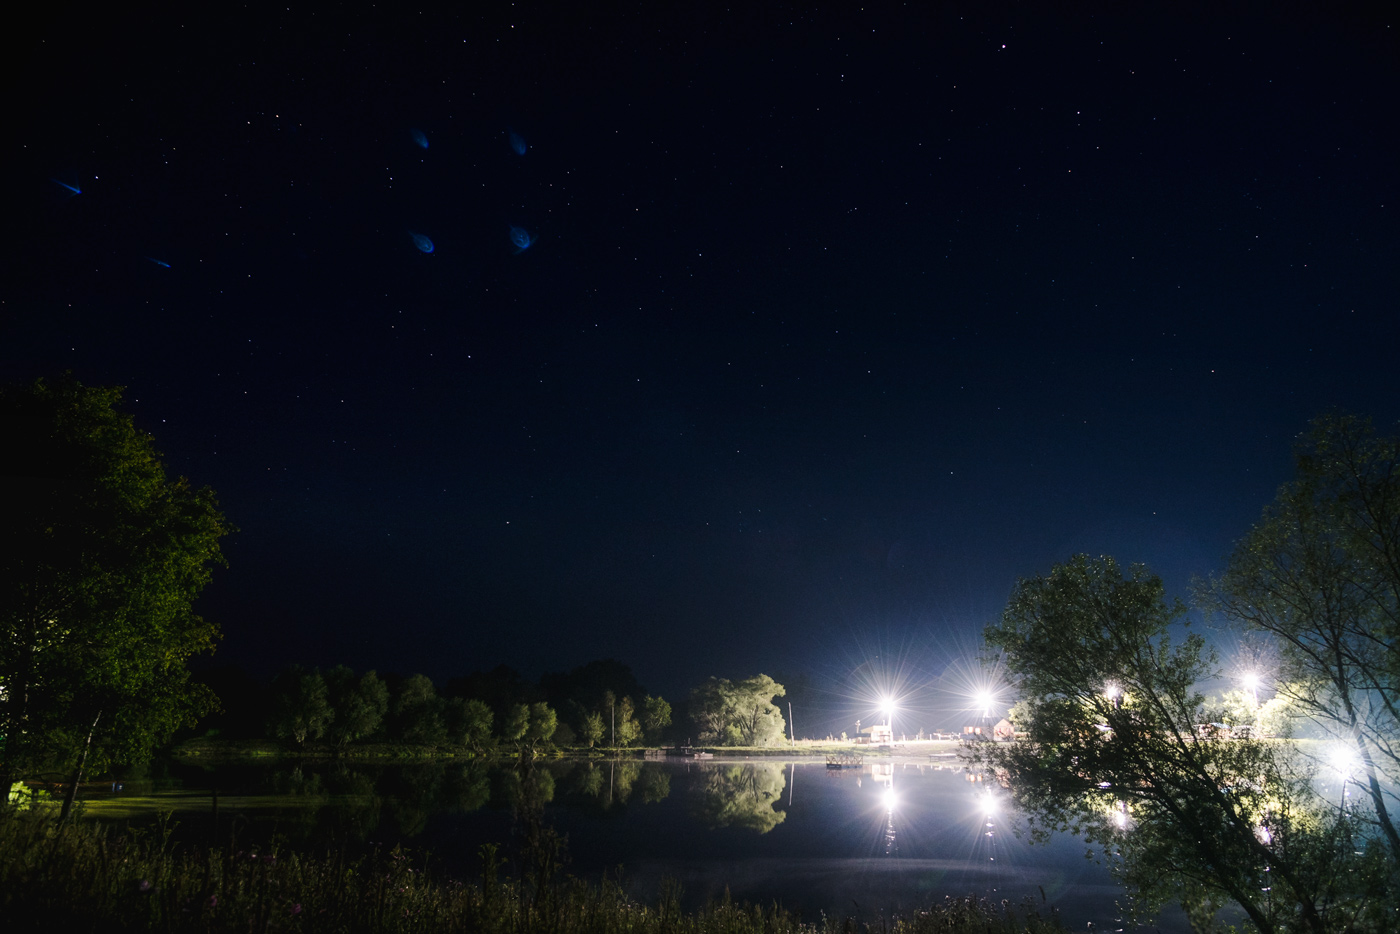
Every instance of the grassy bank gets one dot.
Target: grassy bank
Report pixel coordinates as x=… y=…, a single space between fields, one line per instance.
x=84 y=877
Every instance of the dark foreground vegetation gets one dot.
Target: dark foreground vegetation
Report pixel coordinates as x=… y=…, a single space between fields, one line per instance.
x=78 y=876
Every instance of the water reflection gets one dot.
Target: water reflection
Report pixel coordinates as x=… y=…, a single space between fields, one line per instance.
x=891 y=835
x=740 y=796
x=613 y=784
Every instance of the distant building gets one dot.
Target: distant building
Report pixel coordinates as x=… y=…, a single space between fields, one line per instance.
x=1004 y=729
x=876 y=735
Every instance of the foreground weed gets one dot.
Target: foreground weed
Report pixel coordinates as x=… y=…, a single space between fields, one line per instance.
x=85 y=877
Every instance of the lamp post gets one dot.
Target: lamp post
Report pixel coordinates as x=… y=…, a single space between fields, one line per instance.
x=887 y=705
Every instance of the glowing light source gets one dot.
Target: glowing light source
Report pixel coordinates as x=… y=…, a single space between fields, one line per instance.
x=889 y=798
x=989 y=805
x=1343 y=759
x=1252 y=683
x=984 y=700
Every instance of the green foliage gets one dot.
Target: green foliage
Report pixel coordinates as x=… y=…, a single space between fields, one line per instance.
x=744 y=796
x=359 y=705
x=516 y=723
x=629 y=730
x=1178 y=816
x=530 y=726
x=100 y=562
x=591 y=730
x=738 y=713
x=1320 y=574
x=301 y=706
x=418 y=713
x=543 y=723
x=469 y=723
x=656 y=717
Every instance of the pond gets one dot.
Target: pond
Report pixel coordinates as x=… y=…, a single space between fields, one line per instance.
x=889 y=836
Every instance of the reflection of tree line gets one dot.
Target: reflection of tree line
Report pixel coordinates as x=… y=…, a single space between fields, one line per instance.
x=343 y=803
x=740 y=796
x=348 y=803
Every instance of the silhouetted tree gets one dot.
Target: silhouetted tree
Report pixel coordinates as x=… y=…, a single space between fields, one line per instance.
x=1115 y=753
x=101 y=558
x=360 y=704
x=468 y=723
x=501 y=688
x=301 y=709
x=1320 y=574
x=418 y=712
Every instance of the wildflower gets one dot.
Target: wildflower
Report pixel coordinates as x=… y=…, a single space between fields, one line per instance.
x=213 y=900
x=296 y=908
x=144 y=887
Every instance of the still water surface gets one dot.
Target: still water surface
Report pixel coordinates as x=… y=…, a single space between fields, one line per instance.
x=891 y=836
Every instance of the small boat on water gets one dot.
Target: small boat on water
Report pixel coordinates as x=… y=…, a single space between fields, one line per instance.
x=844 y=761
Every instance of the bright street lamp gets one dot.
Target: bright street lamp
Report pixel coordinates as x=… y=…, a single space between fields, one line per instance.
x=984 y=700
x=1251 y=682
x=887 y=705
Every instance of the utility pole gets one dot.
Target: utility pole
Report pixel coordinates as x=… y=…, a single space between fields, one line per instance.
x=792 y=730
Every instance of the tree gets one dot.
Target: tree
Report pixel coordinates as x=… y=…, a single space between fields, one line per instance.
x=516 y=723
x=101 y=559
x=529 y=726
x=738 y=713
x=1115 y=754
x=628 y=729
x=586 y=684
x=656 y=717
x=418 y=712
x=301 y=707
x=1320 y=573
x=592 y=728
x=543 y=723
x=469 y=723
x=359 y=704
x=500 y=688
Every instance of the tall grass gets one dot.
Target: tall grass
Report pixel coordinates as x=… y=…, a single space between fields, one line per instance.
x=85 y=877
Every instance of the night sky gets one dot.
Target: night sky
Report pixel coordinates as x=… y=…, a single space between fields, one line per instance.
x=830 y=325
